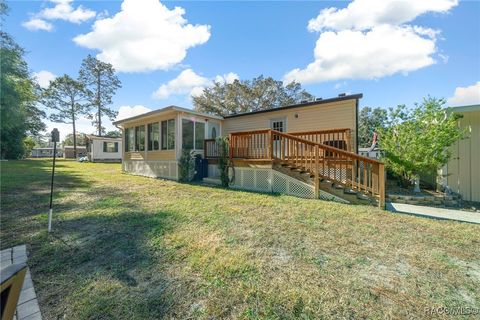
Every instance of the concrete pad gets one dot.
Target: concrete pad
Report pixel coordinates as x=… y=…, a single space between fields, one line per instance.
x=35 y=316
x=27 y=295
x=435 y=213
x=28 y=308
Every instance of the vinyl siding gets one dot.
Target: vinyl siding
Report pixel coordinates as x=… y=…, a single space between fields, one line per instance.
x=464 y=166
x=341 y=114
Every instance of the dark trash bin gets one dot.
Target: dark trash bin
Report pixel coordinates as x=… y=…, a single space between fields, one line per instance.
x=201 y=168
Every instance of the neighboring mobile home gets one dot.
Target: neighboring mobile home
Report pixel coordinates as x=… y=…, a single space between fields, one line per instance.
x=69 y=153
x=46 y=152
x=316 y=139
x=462 y=173
x=104 y=149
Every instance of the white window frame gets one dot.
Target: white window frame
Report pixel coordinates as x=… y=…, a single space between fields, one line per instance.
x=195 y=120
x=283 y=119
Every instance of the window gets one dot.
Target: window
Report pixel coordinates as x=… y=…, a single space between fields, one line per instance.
x=153 y=136
x=140 y=138
x=340 y=144
x=110 y=146
x=187 y=134
x=193 y=134
x=278 y=125
x=129 y=139
x=214 y=133
x=199 y=135
x=168 y=134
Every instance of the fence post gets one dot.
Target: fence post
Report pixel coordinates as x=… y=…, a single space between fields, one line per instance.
x=317 y=173
x=381 y=187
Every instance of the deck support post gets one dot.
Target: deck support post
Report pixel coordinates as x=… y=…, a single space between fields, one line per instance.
x=381 y=186
x=317 y=173
x=270 y=145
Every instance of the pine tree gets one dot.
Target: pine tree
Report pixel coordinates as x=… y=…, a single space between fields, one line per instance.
x=101 y=82
x=68 y=98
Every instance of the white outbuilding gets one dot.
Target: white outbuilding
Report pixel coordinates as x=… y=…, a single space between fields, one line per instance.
x=104 y=149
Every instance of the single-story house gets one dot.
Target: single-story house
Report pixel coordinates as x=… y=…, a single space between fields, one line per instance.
x=104 y=149
x=369 y=152
x=69 y=153
x=46 y=152
x=307 y=149
x=461 y=175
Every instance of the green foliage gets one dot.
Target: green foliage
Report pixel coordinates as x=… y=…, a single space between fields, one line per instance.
x=223 y=160
x=67 y=98
x=18 y=95
x=81 y=139
x=187 y=166
x=417 y=140
x=28 y=144
x=101 y=82
x=114 y=134
x=370 y=120
x=242 y=96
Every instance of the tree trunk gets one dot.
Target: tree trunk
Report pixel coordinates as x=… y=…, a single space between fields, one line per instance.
x=74 y=139
x=99 y=120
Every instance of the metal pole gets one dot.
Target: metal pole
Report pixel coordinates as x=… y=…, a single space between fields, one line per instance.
x=51 y=187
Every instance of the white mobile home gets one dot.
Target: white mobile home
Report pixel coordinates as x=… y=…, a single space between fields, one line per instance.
x=104 y=149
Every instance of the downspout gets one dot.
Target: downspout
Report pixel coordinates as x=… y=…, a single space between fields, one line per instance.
x=356 y=126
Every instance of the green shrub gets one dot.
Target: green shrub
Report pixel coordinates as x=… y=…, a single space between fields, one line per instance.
x=187 y=166
x=223 y=160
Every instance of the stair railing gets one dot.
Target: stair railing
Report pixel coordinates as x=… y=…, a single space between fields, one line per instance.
x=326 y=162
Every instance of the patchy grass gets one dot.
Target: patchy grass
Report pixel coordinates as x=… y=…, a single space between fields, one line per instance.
x=128 y=247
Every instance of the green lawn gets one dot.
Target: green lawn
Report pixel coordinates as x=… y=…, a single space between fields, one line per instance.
x=128 y=247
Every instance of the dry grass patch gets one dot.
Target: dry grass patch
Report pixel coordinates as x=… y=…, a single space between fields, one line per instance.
x=129 y=247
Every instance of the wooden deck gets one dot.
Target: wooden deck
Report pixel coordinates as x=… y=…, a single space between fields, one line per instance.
x=326 y=155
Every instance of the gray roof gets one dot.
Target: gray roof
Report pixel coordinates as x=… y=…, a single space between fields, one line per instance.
x=470 y=108
x=166 y=109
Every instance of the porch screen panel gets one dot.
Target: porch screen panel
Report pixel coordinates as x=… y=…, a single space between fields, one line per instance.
x=168 y=134
x=153 y=136
x=140 y=138
x=129 y=139
x=199 y=135
x=187 y=134
x=171 y=134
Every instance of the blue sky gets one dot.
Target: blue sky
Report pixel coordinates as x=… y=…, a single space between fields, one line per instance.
x=393 y=55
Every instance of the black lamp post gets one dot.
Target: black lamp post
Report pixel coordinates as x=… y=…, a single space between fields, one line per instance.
x=55 y=139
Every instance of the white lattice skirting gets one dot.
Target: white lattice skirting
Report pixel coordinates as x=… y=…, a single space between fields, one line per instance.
x=153 y=169
x=269 y=180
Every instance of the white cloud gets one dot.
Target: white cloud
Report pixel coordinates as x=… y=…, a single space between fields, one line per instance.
x=466 y=95
x=145 y=35
x=62 y=10
x=189 y=82
x=383 y=51
x=227 y=78
x=35 y=24
x=185 y=82
x=369 y=40
x=127 y=111
x=365 y=14
x=43 y=78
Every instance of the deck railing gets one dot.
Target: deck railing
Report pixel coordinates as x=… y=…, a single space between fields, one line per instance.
x=319 y=159
x=338 y=138
x=211 y=149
